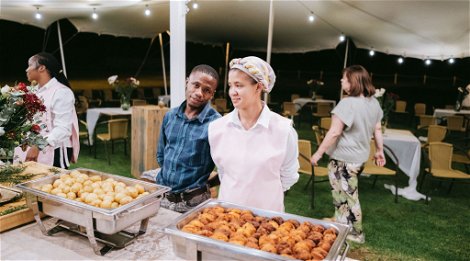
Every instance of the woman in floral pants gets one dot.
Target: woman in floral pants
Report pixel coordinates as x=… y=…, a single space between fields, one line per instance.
x=354 y=121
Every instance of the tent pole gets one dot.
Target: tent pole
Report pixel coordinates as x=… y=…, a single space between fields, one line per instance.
x=163 y=63
x=270 y=41
x=177 y=51
x=227 y=49
x=344 y=65
x=61 y=49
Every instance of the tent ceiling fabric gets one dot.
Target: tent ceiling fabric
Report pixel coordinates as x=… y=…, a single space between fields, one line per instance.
x=413 y=28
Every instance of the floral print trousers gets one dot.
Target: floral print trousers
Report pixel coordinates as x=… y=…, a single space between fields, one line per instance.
x=344 y=189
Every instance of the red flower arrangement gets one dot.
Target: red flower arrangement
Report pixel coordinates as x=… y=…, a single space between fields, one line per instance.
x=20 y=109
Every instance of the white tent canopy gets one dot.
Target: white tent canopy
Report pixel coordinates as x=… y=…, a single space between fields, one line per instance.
x=420 y=29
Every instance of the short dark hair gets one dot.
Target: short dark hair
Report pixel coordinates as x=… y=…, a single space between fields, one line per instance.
x=360 y=80
x=207 y=69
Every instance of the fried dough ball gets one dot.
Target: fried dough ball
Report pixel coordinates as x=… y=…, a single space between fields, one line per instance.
x=252 y=244
x=305 y=245
x=278 y=220
x=320 y=251
x=325 y=245
x=191 y=229
x=304 y=255
x=329 y=237
x=247 y=229
x=268 y=247
x=219 y=236
x=206 y=218
x=206 y=233
x=294 y=222
x=300 y=233
x=318 y=228
x=196 y=223
x=330 y=231
x=315 y=236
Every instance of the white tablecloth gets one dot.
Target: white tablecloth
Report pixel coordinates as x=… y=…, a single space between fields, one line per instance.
x=300 y=102
x=439 y=113
x=93 y=115
x=407 y=148
x=28 y=243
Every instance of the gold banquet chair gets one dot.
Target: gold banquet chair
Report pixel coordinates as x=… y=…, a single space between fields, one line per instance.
x=325 y=123
x=306 y=167
x=426 y=120
x=456 y=123
x=420 y=109
x=371 y=169
x=435 y=133
x=84 y=134
x=117 y=130
x=439 y=166
x=289 y=110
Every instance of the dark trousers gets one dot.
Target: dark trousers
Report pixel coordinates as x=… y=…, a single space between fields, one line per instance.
x=57 y=158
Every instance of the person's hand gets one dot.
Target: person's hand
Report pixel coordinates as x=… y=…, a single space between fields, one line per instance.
x=315 y=158
x=379 y=159
x=32 y=154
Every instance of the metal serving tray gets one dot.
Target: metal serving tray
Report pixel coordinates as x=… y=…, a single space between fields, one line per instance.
x=196 y=247
x=106 y=221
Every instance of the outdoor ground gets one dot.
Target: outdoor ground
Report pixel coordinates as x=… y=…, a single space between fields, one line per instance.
x=407 y=230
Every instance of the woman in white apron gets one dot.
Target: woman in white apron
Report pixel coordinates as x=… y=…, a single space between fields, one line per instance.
x=255 y=150
x=60 y=119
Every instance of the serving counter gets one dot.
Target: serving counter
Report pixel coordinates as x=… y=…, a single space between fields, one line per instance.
x=28 y=243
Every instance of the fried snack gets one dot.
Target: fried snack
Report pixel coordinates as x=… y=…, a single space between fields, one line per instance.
x=290 y=238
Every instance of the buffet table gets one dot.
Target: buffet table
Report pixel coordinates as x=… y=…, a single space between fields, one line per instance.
x=28 y=243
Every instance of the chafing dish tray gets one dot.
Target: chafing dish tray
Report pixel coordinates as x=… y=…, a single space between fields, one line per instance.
x=196 y=247
x=105 y=222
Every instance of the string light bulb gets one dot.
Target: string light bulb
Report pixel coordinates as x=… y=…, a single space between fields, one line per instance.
x=451 y=60
x=371 y=52
x=311 y=17
x=427 y=61
x=400 y=60
x=38 y=15
x=94 y=15
x=195 y=5
x=147 y=11
x=342 y=37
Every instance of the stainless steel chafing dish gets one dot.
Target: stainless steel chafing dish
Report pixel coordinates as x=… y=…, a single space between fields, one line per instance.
x=104 y=225
x=195 y=247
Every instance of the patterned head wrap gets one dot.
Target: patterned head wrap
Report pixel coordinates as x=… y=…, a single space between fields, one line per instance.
x=257 y=69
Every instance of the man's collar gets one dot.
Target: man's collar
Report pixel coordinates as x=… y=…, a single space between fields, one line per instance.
x=200 y=117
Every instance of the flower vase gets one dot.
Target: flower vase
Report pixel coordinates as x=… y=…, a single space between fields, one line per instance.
x=314 y=95
x=125 y=102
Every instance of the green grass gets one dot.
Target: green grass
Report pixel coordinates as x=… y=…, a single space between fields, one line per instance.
x=407 y=230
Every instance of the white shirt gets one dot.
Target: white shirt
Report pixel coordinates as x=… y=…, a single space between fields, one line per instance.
x=62 y=107
x=290 y=165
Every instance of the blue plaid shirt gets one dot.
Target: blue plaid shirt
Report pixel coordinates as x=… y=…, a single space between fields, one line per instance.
x=183 y=149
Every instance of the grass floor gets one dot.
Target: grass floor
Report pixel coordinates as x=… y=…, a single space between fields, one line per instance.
x=407 y=230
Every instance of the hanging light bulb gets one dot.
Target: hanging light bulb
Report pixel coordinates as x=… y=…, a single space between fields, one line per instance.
x=94 y=15
x=371 y=52
x=311 y=17
x=38 y=15
x=451 y=60
x=195 y=5
x=427 y=61
x=400 y=60
x=147 y=11
x=342 y=37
